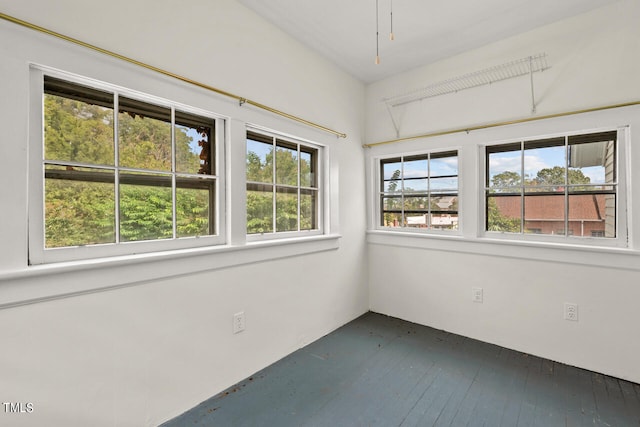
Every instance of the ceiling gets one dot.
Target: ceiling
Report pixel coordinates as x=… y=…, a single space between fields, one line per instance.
x=344 y=31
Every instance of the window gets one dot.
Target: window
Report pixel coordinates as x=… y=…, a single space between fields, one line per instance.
x=420 y=191
x=564 y=186
x=119 y=170
x=282 y=185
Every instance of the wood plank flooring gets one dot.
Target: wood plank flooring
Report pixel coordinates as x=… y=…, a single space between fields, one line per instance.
x=381 y=371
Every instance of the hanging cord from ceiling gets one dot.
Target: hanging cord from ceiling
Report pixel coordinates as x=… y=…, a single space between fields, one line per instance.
x=377 y=35
x=391 y=35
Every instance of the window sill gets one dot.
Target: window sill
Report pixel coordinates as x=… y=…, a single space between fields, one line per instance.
x=66 y=279
x=611 y=257
x=282 y=237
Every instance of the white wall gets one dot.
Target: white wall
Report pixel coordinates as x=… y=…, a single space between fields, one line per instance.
x=154 y=346
x=160 y=341
x=593 y=59
x=594 y=62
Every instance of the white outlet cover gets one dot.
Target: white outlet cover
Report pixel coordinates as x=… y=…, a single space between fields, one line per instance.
x=477 y=294
x=238 y=322
x=571 y=311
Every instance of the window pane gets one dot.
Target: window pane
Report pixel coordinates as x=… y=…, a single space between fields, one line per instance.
x=308 y=207
x=443 y=166
x=193 y=210
x=544 y=163
x=444 y=221
x=595 y=156
x=79 y=206
x=444 y=203
x=259 y=209
x=391 y=219
x=592 y=215
x=193 y=144
x=259 y=161
x=286 y=165
x=592 y=163
x=308 y=168
x=444 y=212
x=393 y=186
x=415 y=169
x=144 y=132
x=444 y=184
x=504 y=213
x=504 y=170
x=416 y=203
x=544 y=213
x=146 y=207
x=391 y=203
x=286 y=209
x=415 y=185
x=77 y=131
x=392 y=170
x=416 y=220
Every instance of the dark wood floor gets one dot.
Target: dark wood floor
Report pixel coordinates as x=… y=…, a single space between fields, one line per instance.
x=381 y=371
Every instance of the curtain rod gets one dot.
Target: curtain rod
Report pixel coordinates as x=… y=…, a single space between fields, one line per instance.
x=498 y=124
x=240 y=99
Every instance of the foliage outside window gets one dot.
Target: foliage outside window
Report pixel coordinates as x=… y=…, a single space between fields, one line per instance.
x=282 y=185
x=420 y=191
x=564 y=186
x=119 y=170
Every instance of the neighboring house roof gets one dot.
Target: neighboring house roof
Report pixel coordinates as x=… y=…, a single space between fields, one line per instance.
x=585 y=207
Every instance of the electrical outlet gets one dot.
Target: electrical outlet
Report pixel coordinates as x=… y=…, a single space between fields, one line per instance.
x=477 y=294
x=238 y=322
x=571 y=311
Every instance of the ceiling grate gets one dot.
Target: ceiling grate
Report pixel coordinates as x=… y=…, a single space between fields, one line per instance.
x=520 y=67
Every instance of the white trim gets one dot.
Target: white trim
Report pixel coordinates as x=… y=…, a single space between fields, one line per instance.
x=622 y=233
x=376 y=192
x=38 y=254
x=609 y=257
x=22 y=283
x=36 y=173
x=322 y=216
x=471 y=192
x=35 y=284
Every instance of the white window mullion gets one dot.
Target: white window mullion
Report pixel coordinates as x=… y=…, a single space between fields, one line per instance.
x=116 y=150
x=174 y=201
x=275 y=189
x=566 y=186
x=428 y=219
x=298 y=188
x=402 y=191
x=522 y=188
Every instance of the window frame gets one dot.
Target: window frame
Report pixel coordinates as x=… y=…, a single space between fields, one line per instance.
x=379 y=192
x=621 y=240
x=319 y=178
x=37 y=253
